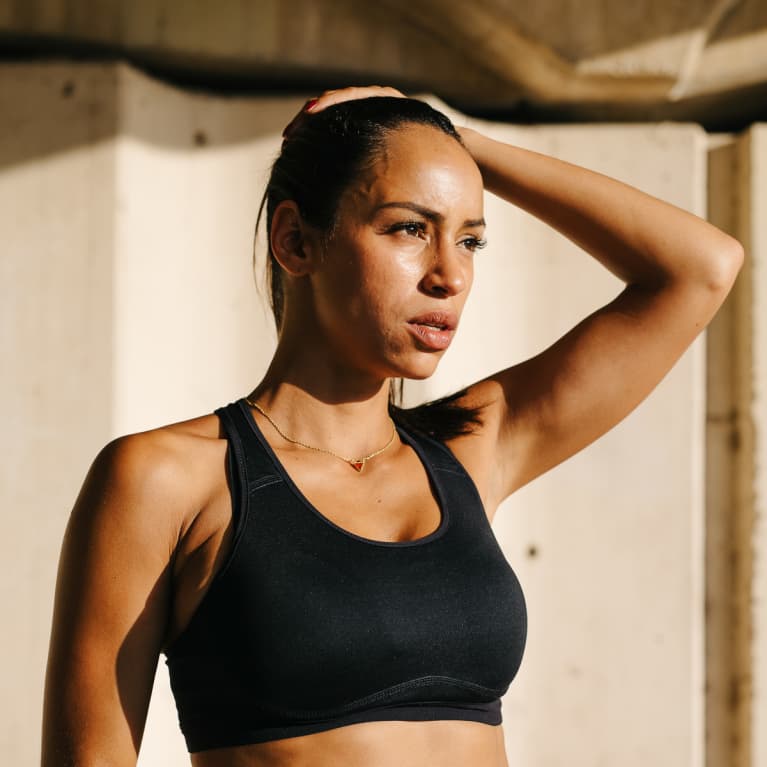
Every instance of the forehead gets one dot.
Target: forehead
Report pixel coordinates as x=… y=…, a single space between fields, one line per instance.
x=423 y=165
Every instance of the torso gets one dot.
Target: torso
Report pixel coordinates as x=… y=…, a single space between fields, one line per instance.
x=373 y=744
x=399 y=510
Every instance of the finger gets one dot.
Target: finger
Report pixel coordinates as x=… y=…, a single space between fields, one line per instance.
x=336 y=96
x=331 y=97
x=292 y=124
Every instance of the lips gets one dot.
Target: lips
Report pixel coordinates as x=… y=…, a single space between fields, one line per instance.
x=435 y=330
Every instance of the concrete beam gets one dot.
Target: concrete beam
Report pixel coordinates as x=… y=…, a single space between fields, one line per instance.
x=307 y=41
x=556 y=60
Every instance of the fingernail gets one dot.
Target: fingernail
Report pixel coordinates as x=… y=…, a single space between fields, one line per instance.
x=310 y=104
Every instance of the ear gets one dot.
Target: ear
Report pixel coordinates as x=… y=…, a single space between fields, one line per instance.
x=292 y=239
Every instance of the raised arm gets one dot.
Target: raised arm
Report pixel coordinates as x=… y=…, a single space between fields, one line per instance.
x=111 y=608
x=678 y=270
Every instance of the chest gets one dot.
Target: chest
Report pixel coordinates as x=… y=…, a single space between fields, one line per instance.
x=336 y=601
x=317 y=614
x=391 y=501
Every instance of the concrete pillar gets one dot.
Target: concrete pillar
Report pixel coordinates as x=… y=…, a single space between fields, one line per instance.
x=57 y=202
x=729 y=445
x=736 y=475
x=758 y=241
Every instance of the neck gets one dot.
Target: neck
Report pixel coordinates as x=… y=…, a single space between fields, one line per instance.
x=323 y=404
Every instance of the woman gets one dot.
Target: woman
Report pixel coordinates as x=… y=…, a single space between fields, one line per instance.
x=383 y=623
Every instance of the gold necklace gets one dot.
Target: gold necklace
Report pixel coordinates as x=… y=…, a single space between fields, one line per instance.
x=358 y=464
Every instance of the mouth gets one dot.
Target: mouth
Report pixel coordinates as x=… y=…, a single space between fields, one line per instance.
x=434 y=330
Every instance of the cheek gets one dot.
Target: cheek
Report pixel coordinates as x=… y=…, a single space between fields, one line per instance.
x=371 y=285
x=384 y=282
x=348 y=297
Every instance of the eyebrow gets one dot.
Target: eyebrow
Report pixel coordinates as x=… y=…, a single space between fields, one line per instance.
x=427 y=213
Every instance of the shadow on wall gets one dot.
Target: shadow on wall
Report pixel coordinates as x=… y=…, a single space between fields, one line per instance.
x=93 y=103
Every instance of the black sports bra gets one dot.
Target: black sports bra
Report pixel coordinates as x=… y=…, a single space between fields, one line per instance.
x=308 y=627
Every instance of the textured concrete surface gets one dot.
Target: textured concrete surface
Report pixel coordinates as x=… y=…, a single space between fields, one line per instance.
x=729 y=475
x=57 y=224
x=647 y=60
x=758 y=241
x=736 y=599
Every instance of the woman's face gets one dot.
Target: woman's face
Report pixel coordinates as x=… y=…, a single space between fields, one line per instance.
x=392 y=285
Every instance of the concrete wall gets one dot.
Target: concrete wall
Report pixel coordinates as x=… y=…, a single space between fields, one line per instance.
x=127 y=210
x=57 y=203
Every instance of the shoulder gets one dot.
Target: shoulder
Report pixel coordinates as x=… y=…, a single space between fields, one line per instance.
x=115 y=589
x=160 y=478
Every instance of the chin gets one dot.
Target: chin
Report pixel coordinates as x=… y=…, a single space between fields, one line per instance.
x=418 y=370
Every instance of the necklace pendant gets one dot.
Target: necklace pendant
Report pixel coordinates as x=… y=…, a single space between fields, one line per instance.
x=358 y=466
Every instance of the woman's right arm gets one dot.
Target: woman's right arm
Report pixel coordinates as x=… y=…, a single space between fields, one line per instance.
x=112 y=603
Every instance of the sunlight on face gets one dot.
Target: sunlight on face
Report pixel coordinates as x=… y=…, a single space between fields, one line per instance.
x=399 y=265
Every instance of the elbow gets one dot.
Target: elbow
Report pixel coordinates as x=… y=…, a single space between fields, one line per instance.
x=726 y=265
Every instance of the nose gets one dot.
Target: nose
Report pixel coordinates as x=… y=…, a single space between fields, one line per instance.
x=446 y=274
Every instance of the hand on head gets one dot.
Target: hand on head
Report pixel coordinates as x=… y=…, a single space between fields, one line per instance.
x=328 y=98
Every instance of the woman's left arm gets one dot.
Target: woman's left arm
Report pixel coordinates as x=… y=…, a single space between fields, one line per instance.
x=678 y=270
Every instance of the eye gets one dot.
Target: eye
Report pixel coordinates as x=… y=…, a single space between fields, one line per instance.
x=412 y=228
x=473 y=243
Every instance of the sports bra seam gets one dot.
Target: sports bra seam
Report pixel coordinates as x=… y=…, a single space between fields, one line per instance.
x=450 y=471
x=265 y=480
x=378 y=696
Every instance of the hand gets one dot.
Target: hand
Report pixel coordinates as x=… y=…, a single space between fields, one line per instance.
x=328 y=98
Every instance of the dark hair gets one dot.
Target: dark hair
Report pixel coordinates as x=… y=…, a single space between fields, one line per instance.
x=321 y=156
